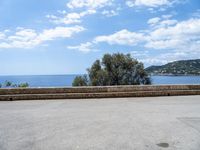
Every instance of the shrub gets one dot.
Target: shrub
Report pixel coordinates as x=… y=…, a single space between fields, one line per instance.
x=8 y=84
x=23 y=85
x=115 y=69
x=80 y=81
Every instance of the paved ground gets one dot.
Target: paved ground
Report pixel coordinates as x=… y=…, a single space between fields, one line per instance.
x=171 y=123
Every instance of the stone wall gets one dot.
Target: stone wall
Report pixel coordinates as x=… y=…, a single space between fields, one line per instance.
x=97 y=92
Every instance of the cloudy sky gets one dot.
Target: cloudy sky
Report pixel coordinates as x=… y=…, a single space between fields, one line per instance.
x=66 y=36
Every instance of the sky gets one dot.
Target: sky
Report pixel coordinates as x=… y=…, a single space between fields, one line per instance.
x=47 y=37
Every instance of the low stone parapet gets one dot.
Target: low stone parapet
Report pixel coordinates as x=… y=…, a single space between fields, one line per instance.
x=98 y=92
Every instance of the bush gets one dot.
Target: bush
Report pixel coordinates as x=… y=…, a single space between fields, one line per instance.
x=8 y=84
x=23 y=85
x=116 y=69
x=80 y=81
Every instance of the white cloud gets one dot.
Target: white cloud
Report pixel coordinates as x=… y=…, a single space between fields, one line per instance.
x=62 y=12
x=179 y=40
x=2 y=35
x=167 y=16
x=183 y=36
x=159 y=22
x=148 y=59
x=140 y=54
x=70 y=18
x=153 y=21
x=170 y=35
x=150 y=3
x=168 y=22
x=123 y=37
x=23 y=35
x=28 y=38
x=84 y=47
x=109 y=13
x=196 y=14
x=88 y=3
x=59 y=32
x=89 y=6
x=167 y=57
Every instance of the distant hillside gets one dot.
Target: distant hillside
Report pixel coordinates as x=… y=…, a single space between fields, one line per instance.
x=183 y=67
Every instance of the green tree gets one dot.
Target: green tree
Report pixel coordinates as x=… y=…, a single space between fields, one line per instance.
x=97 y=75
x=8 y=84
x=23 y=85
x=117 y=69
x=80 y=81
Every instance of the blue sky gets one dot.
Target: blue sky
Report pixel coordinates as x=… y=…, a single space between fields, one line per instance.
x=66 y=36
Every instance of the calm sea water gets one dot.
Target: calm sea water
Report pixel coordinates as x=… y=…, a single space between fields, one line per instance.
x=66 y=80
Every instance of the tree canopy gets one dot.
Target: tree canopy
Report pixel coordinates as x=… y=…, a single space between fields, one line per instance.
x=114 y=69
x=80 y=81
x=9 y=84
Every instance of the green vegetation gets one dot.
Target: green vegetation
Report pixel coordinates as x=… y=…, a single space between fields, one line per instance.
x=115 y=69
x=183 y=67
x=23 y=85
x=9 y=84
x=80 y=81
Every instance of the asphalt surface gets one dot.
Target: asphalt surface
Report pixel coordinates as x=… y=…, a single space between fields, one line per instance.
x=171 y=123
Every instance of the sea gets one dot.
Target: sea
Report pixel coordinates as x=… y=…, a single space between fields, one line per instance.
x=66 y=80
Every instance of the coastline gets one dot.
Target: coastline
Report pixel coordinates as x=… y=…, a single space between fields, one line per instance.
x=66 y=80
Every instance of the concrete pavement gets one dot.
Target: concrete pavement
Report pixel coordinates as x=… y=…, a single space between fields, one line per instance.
x=156 y=123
